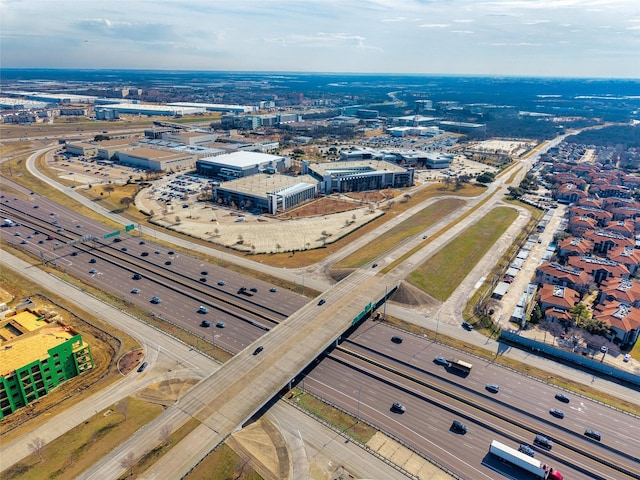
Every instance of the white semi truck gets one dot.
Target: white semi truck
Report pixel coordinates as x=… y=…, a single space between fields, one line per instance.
x=525 y=462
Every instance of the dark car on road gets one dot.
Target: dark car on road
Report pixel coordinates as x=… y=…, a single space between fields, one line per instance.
x=322 y=301
x=562 y=397
x=396 y=339
x=458 y=427
x=556 y=413
x=258 y=350
x=592 y=434
x=398 y=408
x=527 y=450
x=543 y=442
x=142 y=367
x=205 y=323
x=493 y=388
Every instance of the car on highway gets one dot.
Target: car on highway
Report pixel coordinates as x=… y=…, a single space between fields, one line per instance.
x=24 y=240
x=398 y=408
x=322 y=301
x=204 y=272
x=273 y=289
x=124 y=249
x=205 y=323
x=135 y=291
x=137 y=276
x=396 y=339
x=543 y=442
x=220 y=324
x=562 y=397
x=93 y=260
x=467 y=326
x=221 y=282
x=527 y=450
x=424 y=237
x=144 y=254
x=492 y=387
x=142 y=242
x=74 y=253
x=253 y=289
x=592 y=434
x=458 y=427
x=258 y=350
x=168 y=262
x=626 y=357
x=93 y=271
x=142 y=367
x=203 y=309
x=556 y=413
x=441 y=361
x=155 y=300
x=603 y=349
x=374 y=265
x=157 y=252
x=203 y=279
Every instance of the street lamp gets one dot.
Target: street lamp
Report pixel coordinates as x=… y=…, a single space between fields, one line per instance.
x=358 y=414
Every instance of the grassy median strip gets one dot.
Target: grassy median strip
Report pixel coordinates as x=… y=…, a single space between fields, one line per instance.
x=349 y=424
x=441 y=274
x=407 y=229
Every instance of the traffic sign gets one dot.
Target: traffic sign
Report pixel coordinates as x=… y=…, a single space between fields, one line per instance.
x=129 y=227
x=111 y=234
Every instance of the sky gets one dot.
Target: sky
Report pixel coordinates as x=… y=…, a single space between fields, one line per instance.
x=550 y=38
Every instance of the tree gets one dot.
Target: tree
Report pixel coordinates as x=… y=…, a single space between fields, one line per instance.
x=536 y=314
x=109 y=189
x=515 y=192
x=128 y=462
x=486 y=177
x=126 y=201
x=37 y=447
x=580 y=314
x=165 y=434
x=123 y=408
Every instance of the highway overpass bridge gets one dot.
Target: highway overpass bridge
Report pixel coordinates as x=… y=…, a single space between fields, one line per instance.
x=232 y=395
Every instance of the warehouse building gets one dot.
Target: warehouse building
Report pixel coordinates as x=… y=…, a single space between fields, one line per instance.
x=156 y=160
x=36 y=355
x=85 y=149
x=438 y=160
x=147 y=109
x=358 y=176
x=270 y=193
x=240 y=164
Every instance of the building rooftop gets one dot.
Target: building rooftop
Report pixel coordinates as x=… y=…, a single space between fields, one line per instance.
x=261 y=185
x=351 y=167
x=26 y=337
x=242 y=159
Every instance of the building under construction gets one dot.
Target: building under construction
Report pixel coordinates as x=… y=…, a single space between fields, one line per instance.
x=37 y=353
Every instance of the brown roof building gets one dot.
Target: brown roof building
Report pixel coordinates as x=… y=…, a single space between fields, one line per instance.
x=599 y=268
x=580 y=224
x=628 y=256
x=621 y=289
x=601 y=216
x=605 y=241
x=557 y=296
x=556 y=274
x=626 y=228
x=573 y=246
x=623 y=319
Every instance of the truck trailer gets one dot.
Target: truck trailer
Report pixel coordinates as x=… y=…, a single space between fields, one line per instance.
x=525 y=462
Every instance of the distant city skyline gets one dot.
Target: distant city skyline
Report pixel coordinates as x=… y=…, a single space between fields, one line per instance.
x=548 y=38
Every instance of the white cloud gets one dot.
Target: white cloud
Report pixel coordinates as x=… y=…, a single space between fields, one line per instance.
x=367 y=35
x=434 y=25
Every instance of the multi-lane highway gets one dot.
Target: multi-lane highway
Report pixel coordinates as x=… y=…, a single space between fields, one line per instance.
x=368 y=373
x=337 y=306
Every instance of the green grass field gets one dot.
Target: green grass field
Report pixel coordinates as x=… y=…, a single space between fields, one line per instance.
x=441 y=274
